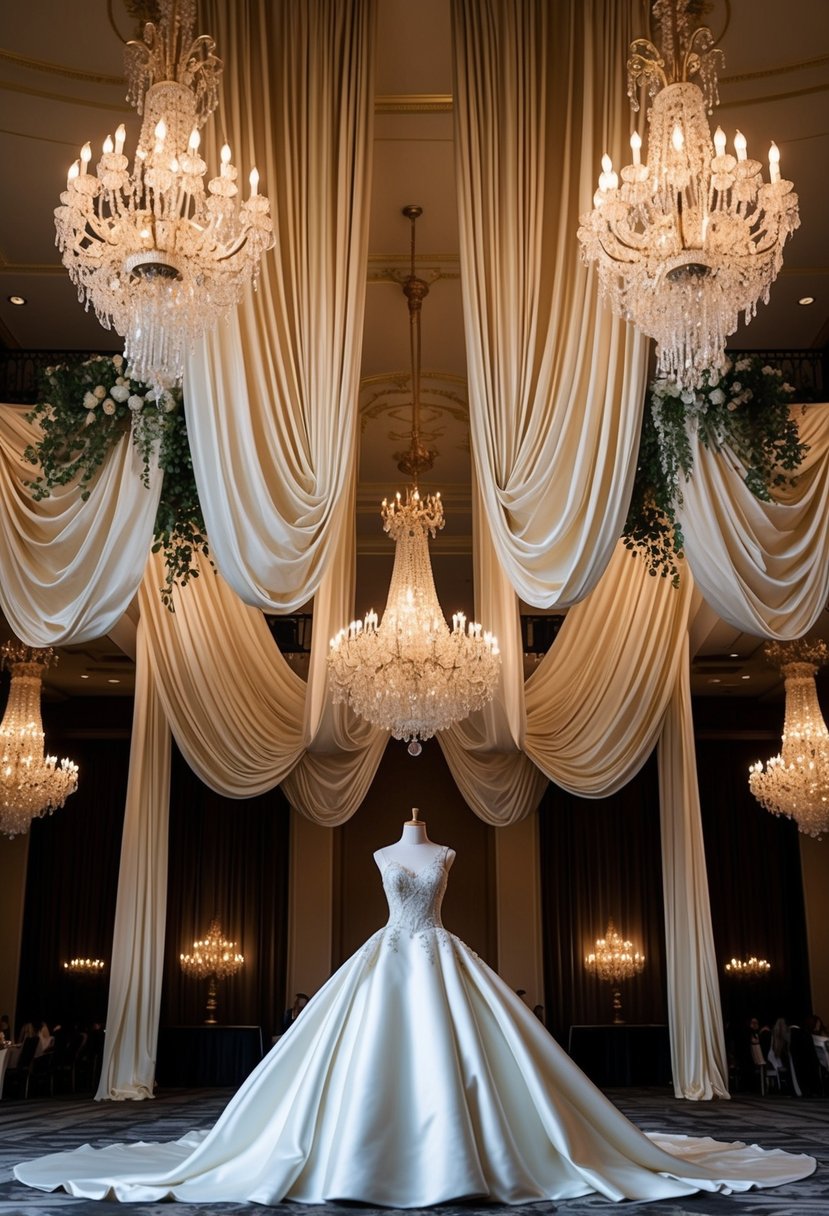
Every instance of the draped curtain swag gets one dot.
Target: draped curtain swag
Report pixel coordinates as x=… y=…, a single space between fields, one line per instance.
x=556 y=388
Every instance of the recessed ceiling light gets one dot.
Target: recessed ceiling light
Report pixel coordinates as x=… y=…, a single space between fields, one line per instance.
x=84 y=677
x=714 y=681
x=806 y=300
x=18 y=300
x=733 y=655
x=113 y=681
x=745 y=677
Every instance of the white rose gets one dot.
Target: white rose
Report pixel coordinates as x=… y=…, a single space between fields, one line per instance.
x=742 y=365
x=687 y=397
x=787 y=388
x=673 y=388
x=119 y=392
x=737 y=387
x=109 y=406
x=717 y=397
x=135 y=402
x=167 y=403
x=90 y=418
x=100 y=392
x=117 y=361
x=90 y=401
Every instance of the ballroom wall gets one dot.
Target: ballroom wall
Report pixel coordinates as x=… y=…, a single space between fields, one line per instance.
x=331 y=897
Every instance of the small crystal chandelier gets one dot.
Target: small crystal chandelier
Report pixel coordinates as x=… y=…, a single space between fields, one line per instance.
x=796 y=782
x=213 y=959
x=31 y=784
x=408 y=673
x=752 y=968
x=614 y=960
x=159 y=259
x=85 y=967
x=694 y=237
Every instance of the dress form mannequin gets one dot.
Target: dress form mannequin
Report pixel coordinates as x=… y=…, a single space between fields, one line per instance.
x=414 y=849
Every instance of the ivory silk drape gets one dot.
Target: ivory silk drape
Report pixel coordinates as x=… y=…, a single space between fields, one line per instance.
x=758 y=564
x=698 y=1059
x=273 y=391
x=70 y=568
x=128 y=1067
x=556 y=384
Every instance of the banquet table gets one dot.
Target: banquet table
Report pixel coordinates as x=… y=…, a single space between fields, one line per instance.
x=8 y=1058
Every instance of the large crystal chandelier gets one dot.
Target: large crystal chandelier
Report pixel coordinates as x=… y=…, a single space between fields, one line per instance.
x=796 y=782
x=213 y=959
x=751 y=968
x=693 y=237
x=613 y=959
x=31 y=784
x=157 y=257
x=409 y=673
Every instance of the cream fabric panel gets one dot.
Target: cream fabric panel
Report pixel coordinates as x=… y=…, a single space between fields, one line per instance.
x=272 y=393
x=764 y=567
x=596 y=702
x=70 y=568
x=128 y=1068
x=556 y=383
x=698 y=1058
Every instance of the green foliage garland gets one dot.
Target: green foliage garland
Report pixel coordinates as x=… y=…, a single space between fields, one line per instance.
x=745 y=410
x=84 y=410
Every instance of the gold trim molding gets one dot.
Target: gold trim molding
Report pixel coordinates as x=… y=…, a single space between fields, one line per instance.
x=413 y=103
x=58 y=69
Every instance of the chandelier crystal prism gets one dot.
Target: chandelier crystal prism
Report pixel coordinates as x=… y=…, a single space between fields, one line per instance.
x=159 y=257
x=694 y=237
x=409 y=673
x=31 y=784
x=795 y=782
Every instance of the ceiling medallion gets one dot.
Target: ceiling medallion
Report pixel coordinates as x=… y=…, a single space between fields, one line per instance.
x=159 y=257
x=693 y=237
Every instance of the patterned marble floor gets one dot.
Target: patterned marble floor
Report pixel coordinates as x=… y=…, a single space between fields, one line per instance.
x=28 y=1128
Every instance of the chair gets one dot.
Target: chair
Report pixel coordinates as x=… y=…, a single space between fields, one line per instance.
x=42 y=1073
x=66 y=1065
x=20 y=1074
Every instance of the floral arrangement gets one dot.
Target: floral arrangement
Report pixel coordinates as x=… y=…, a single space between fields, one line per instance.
x=742 y=409
x=85 y=409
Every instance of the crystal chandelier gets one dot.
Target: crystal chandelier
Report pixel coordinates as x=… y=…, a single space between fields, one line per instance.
x=213 y=959
x=796 y=782
x=31 y=784
x=409 y=673
x=614 y=960
x=85 y=967
x=752 y=968
x=694 y=237
x=158 y=258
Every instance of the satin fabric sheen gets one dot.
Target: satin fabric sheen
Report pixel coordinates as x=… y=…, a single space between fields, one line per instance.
x=415 y=1076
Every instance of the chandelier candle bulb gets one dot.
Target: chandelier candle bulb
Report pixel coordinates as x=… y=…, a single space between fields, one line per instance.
x=740 y=146
x=774 y=163
x=636 y=147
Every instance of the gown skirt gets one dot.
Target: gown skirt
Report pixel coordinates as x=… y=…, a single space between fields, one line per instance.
x=415 y=1076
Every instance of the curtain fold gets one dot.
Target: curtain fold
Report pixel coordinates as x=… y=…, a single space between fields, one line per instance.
x=761 y=565
x=272 y=393
x=70 y=568
x=698 y=1060
x=128 y=1068
x=556 y=383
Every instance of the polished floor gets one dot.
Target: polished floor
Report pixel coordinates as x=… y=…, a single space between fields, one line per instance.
x=36 y=1126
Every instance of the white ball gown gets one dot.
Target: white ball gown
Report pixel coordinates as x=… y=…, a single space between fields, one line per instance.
x=414 y=1077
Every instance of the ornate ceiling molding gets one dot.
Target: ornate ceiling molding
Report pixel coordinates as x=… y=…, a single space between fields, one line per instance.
x=413 y=103
x=59 y=69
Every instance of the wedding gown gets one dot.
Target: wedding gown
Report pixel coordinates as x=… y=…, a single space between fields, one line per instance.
x=414 y=1077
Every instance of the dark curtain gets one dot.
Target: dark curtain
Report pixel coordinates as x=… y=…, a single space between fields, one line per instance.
x=755 y=883
x=71 y=887
x=600 y=860
x=229 y=859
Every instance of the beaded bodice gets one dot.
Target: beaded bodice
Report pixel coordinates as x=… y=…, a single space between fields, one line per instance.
x=415 y=896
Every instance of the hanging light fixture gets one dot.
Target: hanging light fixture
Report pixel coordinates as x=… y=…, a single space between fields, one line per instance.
x=159 y=259
x=614 y=960
x=31 y=784
x=408 y=673
x=693 y=237
x=213 y=959
x=796 y=782
x=751 y=968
